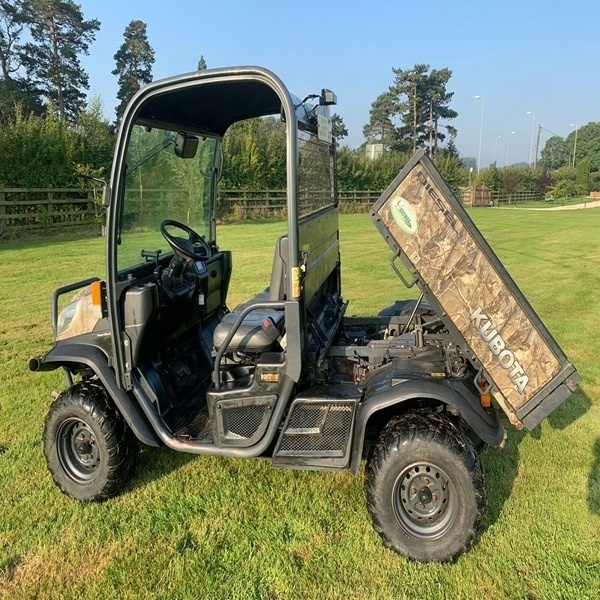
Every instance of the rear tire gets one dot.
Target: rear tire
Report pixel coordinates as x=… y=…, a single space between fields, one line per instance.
x=425 y=488
x=90 y=450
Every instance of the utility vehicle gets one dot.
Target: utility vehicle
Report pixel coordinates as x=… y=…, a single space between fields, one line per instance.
x=152 y=352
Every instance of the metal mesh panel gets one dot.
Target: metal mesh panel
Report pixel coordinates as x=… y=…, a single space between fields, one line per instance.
x=317 y=429
x=316 y=185
x=244 y=422
x=306 y=416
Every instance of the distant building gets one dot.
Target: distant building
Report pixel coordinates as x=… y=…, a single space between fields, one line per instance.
x=477 y=195
x=374 y=151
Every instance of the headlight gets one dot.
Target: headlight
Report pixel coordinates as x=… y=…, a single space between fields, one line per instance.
x=66 y=316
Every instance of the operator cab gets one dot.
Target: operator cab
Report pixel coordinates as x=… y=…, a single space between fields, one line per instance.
x=168 y=277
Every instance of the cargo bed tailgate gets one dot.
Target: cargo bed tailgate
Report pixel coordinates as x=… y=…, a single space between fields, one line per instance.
x=487 y=314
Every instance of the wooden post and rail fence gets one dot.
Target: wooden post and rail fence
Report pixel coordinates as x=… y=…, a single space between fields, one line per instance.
x=27 y=210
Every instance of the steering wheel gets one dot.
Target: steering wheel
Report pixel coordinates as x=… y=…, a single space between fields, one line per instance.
x=194 y=247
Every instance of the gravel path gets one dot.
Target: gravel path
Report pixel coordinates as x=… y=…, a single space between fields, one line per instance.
x=591 y=204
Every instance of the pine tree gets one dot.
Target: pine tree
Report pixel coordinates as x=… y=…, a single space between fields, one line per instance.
x=422 y=101
x=439 y=100
x=12 y=23
x=59 y=36
x=380 y=129
x=338 y=127
x=14 y=89
x=134 y=60
x=451 y=149
x=411 y=84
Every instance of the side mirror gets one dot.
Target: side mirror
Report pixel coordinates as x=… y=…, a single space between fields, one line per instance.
x=106 y=193
x=186 y=145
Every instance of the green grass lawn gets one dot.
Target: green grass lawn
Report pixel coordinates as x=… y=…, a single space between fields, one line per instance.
x=197 y=527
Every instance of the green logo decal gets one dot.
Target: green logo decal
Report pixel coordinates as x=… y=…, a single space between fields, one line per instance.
x=404 y=215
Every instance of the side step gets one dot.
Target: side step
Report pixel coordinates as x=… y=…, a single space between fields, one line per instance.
x=317 y=432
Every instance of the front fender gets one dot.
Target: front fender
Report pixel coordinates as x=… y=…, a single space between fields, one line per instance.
x=63 y=355
x=451 y=393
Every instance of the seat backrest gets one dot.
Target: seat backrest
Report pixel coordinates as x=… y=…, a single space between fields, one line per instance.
x=278 y=287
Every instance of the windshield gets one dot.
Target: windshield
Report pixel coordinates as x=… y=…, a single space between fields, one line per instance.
x=164 y=184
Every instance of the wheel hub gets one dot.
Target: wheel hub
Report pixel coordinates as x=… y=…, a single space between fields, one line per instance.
x=425 y=495
x=78 y=450
x=424 y=500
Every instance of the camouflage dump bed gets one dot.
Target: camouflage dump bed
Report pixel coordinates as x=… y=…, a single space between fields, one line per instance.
x=462 y=278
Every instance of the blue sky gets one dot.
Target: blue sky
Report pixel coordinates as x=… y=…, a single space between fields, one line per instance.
x=521 y=56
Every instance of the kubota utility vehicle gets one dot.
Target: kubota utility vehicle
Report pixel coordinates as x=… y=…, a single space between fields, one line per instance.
x=153 y=353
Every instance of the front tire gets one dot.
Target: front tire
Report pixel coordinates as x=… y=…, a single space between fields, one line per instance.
x=90 y=450
x=425 y=488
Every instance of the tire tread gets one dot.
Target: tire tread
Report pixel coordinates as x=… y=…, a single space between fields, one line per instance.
x=424 y=426
x=91 y=401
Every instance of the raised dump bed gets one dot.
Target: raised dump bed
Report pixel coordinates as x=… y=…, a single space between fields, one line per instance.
x=461 y=277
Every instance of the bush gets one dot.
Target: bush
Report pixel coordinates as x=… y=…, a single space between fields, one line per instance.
x=43 y=151
x=567 y=188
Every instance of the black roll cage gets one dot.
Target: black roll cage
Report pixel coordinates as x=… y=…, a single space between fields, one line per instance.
x=205 y=102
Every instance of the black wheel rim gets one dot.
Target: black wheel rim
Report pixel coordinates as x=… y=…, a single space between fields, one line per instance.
x=424 y=500
x=78 y=450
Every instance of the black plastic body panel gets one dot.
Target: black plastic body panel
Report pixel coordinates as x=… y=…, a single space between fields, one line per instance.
x=64 y=354
x=385 y=390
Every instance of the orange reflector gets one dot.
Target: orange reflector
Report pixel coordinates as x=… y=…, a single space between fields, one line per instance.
x=96 y=293
x=486 y=400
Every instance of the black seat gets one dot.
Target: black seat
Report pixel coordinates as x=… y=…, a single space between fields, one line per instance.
x=251 y=336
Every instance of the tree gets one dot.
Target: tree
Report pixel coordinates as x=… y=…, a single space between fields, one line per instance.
x=451 y=149
x=356 y=171
x=134 y=60
x=544 y=182
x=411 y=84
x=380 y=129
x=491 y=177
x=439 y=101
x=201 y=64
x=94 y=140
x=583 y=173
x=254 y=153
x=588 y=145
x=59 y=36
x=12 y=23
x=422 y=101
x=18 y=94
x=339 y=129
x=555 y=153
x=511 y=181
x=14 y=90
x=23 y=162
x=565 y=185
x=452 y=170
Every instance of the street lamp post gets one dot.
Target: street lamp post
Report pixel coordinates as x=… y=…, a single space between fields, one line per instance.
x=530 y=112
x=575 y=144
x=508 y=146
x=480 y=132
x=496 y=147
